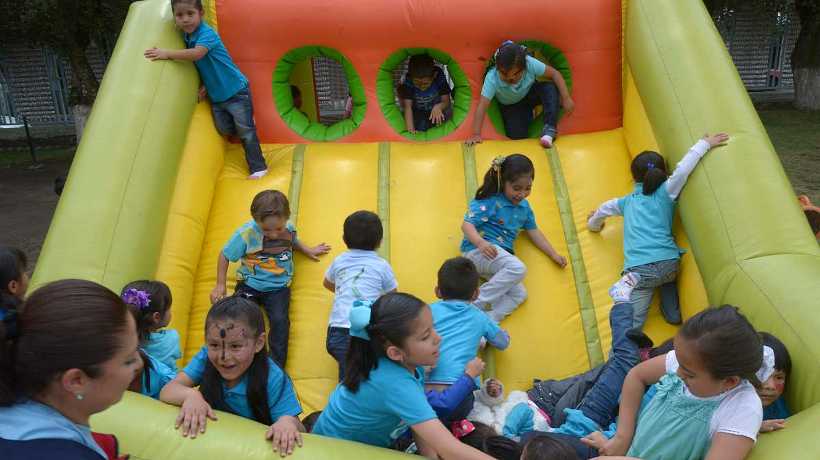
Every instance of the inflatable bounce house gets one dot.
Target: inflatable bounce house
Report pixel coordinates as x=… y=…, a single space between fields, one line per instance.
x=154 y=191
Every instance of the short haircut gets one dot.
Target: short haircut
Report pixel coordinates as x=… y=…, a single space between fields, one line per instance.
x=270 y=203
x=195 y=3
x=457 y=279
x=363 y=230
x=420 y=66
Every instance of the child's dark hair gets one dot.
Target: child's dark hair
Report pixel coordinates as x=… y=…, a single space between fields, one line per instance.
x=64 y=325
x=420 y=66
x=485 y=439
x=159 y=295
x=662 y=349
x=649 y=168
x=457 y=279
x=195 y=3
x=295 y=91
x=544 y=447
x=503 y=170
x=242 y=310
x=310 y=420
x=13 y=264
x=717 y=330
x=511 y=55
x=270 y=203
x=782 y=358
x=363 y=230
x=391 y=320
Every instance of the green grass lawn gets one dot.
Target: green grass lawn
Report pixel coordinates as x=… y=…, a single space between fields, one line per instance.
x=796 y=137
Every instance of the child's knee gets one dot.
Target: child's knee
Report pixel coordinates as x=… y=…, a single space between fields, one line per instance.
x=517 y=269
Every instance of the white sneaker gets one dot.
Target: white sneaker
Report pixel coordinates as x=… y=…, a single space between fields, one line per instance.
x=258 y=174
x=546 y=141
x=622 y=290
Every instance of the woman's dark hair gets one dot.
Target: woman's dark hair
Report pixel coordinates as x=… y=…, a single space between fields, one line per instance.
x=241 y=310
x=12 y=267
x=726 y=342
x=63 y=325
x=160 y=301
x=509 y=170
x=363 y=230
x=545 y=447
x=195 y=3
x=782 y=359
x=649 y=168
x=457 y=279
x=510 y=56
x=391 y=322
x=485 y=439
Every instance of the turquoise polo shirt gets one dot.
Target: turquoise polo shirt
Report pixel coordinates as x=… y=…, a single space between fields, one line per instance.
x=498 y=221
x=390 y=401
x=506 y=93
x=155 y=376
x=281 y=397
x=219 y=74
x=461 y=326
x=267 y=261
x=648 y=227
x=163 y=345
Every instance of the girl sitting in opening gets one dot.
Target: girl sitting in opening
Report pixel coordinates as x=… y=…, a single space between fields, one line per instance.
x=153 y=299
x=235 y=375
x=499 y=211
x=651 y=257
x=382 y=394
x=512 y=82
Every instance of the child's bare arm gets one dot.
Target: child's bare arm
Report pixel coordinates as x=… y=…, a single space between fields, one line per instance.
x=478 y=121
x=566 y=100
x=312 y=252
x=727 y=446
x=328 y=285
x=191 y=54
x=221 y=274
x=408 y=115
x=541 y=242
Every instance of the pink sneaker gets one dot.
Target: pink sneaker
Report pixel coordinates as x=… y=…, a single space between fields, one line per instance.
x=546 y=141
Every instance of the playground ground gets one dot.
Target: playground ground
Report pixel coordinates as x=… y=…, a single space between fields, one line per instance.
x=27 y=198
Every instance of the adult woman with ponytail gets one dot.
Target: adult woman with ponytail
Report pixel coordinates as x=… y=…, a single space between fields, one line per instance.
x=651 y=257
x=71 y=353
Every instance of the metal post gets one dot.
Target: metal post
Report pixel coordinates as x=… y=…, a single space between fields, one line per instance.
x=36 y=164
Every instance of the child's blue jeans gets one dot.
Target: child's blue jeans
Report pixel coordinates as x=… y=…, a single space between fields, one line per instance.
x=234 y=117
x=663 y=275
x=517 y=117
x=276 y=305
x=337 y=343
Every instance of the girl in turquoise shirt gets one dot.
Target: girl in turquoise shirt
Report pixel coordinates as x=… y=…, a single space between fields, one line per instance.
x=150 y=303
x=382 y=394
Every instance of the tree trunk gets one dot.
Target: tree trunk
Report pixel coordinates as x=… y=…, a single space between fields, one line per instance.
x=84 y=88
x=806 y=56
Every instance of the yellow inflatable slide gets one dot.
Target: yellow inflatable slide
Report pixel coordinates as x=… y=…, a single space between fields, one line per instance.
x=154 y=191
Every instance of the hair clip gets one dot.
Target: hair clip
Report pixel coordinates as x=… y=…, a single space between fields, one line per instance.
x=136 y=297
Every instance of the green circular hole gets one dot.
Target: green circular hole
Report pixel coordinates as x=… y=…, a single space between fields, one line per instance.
x=295 y=118
x=547 y=54
x=385 y=93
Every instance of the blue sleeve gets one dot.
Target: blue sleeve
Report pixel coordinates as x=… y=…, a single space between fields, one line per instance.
x=477 y=212
x=490 y=84
x=407 y=403
x=196 y=368
x=497 y=337
x=529 y=223
x=208 y=38
x=446 y=401
x=535 y=67
x=281 y=397
x=163 y=373
x=235 y=248
x=518 y=421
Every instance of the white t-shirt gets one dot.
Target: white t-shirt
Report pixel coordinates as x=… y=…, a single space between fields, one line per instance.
x=358 y=275
x=740 y=411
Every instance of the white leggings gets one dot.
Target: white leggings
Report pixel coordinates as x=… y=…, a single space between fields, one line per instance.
x=504 y=290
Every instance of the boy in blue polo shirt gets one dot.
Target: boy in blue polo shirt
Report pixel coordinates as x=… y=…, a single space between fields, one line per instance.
x=221 y=80
x=424 y=94
x=462 y=327
x=265 y=247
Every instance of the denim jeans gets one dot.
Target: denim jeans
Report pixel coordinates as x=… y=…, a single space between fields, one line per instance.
x=517 y=117
x=421 y=118
x=234 y=117
x=276 y=305
x=336 y=344
x=661 y=275
x=600 y=402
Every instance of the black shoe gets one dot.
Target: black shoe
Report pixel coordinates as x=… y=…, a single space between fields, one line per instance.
x=671 y=314
x=641 y=340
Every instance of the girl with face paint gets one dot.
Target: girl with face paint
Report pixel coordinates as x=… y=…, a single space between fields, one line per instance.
x=235 y=375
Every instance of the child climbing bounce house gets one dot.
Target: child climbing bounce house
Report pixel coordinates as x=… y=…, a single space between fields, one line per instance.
x=154 y=191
